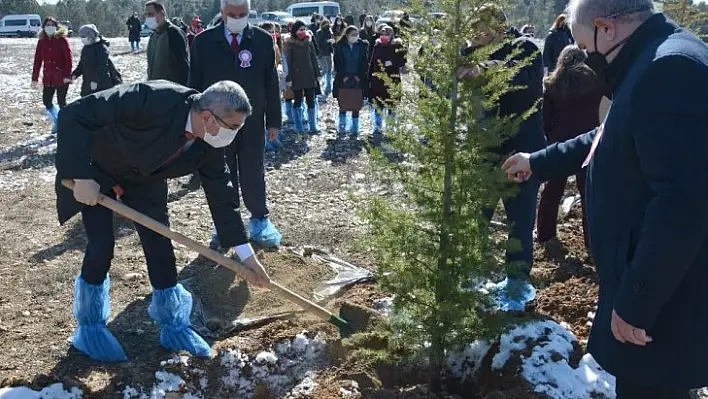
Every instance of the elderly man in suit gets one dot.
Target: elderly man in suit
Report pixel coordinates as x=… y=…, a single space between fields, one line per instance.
x=126 y=142
x=646 y=196
x=237 y=51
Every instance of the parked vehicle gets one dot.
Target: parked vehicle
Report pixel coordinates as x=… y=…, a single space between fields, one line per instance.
x=281 y=17
x=304 y=11
x=69 y=27
x=20 y=25
x=145 y=31
x=253 y=19
x=389 y=17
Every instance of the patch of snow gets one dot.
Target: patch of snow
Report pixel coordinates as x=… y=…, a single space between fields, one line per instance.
x=286 y=370
x=384 y=306
x=464 y=364
x=130 y=392
x=54 y=391
x=547 y=369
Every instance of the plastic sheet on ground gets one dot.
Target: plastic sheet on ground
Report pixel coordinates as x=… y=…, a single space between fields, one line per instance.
x=347 y=273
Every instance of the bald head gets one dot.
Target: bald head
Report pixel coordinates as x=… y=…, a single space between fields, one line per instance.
x=583 y=13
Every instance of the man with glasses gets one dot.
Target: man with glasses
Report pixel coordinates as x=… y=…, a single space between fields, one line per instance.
x=646 y=196
x=238 y=51
x=125 y=142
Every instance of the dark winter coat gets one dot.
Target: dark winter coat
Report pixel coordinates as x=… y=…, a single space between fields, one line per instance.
x=53 y=57
x=167 y=55
x=646 y=206
x=213 y=60
x=322 y=38
x=394 y=53
x=134 y=28
x=126 y=134
x=370 y=35
x=96 y=66
x=566 y=118
x=341 y=55
x=555 y=42
x=530 y=136
x=303 y=68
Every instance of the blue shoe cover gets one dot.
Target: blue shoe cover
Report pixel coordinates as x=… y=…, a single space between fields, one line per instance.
x=342 y=126
x=53 y=115
x=171 y=308
x=355 y=126
x=297 y=114
x=92 y=306
x=312 y=120
x=513 y=294
x=262 y=231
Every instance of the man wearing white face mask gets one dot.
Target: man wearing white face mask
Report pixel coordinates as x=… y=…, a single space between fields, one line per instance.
x=159 y=130
x=167 y=53
x=245 y=54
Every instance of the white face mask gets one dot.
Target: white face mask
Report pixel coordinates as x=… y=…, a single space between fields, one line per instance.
x=50 y=30
x=236 y=25
x=353 y=39
x=86 y=41
x=222 y=139
x=151 y=22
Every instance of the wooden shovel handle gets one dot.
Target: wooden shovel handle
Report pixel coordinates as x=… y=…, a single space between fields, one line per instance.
x=220 y=259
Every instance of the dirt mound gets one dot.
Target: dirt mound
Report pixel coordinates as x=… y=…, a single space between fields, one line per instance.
x=573 y=302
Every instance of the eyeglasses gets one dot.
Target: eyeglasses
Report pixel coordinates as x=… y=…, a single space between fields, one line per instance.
x=226 y=125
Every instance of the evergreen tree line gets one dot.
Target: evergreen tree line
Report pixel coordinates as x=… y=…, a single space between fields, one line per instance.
x=110 y=15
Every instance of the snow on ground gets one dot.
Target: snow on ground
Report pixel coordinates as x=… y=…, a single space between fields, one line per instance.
x=54 y=391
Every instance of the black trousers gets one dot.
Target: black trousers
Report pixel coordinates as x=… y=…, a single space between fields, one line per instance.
x=308 y=94
x=245 y=158
x=630 y=390
x=48 y=96
x=150 y=200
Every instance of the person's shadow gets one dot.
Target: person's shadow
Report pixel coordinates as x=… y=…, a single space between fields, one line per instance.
x=293 y=145
x=342 y=148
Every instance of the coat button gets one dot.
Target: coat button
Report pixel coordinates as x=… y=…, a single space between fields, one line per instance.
x=638 y=288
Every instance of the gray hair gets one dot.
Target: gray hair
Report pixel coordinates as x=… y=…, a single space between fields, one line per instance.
x=584 y=12
x=223 y=98
x=247 y=3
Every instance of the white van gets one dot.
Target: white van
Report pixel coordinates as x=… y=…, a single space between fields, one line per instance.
x=20 y=25
x=304 y=11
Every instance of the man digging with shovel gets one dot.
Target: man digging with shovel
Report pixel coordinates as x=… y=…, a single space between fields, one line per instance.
x=126 y=142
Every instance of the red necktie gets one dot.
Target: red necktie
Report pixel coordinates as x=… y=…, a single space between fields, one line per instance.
x=234 y=42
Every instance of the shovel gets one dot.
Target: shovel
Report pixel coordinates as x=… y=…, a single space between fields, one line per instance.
x=344 y=327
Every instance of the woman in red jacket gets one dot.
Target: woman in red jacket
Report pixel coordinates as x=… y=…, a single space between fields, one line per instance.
x=53 y=55
x=571 y=106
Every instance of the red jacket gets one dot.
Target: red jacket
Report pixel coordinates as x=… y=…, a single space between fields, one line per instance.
x=55 y=54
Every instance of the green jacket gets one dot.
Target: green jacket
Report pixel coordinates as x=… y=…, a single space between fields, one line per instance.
x=167 y=55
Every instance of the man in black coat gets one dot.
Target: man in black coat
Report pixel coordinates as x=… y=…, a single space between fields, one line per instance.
x=237 y=51
x=134 y=28
x=516 y=290
x=126 y=142
x=645 y=197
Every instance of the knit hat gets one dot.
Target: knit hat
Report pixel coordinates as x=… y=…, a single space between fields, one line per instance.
x=296 y=27
x=89 y=30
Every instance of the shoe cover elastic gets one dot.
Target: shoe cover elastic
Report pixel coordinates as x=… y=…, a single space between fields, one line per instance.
x=92 y=306
x=262 y=231
x=171 y=308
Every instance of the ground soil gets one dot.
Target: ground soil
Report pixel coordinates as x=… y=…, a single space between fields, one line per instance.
x=309 y=186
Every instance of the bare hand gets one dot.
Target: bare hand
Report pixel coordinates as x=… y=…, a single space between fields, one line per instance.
x=87 y=191
x=518 y=167
x=625 y=332
x=272 y=134
x=93 y=85
x=67 y=80
x=468 y=72
x=34 y=85
x=254 y=272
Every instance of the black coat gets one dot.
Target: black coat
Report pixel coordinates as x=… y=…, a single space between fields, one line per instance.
x=362 y=66
x=555 y=42
x=126 y=133
x=134 y=28
x=322 y=38
x=646 y=206
x=96 y=66
x=212 y=60
x=530 y=136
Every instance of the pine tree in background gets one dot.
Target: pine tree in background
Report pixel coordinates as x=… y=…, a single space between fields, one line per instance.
x=687 y=14
x=431 y=238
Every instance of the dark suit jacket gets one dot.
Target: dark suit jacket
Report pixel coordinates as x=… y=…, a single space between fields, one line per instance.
x=646 y=206
x=126 y=134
